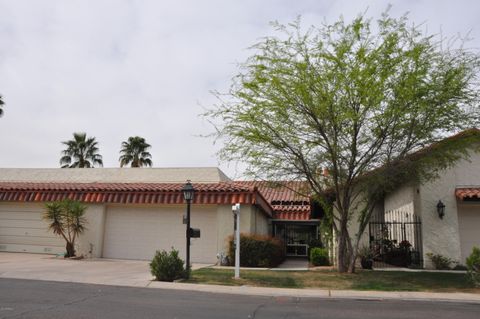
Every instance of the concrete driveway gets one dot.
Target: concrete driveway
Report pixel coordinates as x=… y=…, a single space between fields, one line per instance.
x=94 y=271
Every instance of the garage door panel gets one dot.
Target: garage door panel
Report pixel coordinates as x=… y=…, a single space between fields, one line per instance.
x=469 y=228
x=34 y=232
x=22 y=229
x=136 y=233
x=29 y=240
x=36 y=249
x=20 y=223
x=16 y=215
x=22 y=207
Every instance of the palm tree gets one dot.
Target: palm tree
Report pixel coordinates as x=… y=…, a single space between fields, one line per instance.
x=66 y=219
x=1 y=106
x=135 y=152
x=81 y=152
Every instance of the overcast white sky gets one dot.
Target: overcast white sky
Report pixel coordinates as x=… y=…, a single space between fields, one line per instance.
x=120 y=68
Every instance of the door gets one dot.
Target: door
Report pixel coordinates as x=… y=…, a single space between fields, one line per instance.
x=23 y=230
x=469 y=228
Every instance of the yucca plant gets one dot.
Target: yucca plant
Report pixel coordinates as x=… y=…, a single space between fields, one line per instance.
x=66 y=219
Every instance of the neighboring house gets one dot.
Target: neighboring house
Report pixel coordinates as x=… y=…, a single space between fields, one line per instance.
x=132 y=212
x=411 y=213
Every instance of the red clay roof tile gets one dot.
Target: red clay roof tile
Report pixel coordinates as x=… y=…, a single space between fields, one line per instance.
x=467 y=192
x=286 y=200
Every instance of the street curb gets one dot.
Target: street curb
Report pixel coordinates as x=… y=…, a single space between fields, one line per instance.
x=321 y=293
x=281 y=292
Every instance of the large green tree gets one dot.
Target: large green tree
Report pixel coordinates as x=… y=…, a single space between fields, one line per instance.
x=81 y=152
x=135 y=152
x=358 y=98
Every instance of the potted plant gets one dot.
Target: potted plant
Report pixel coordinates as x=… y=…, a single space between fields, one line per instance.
x=366 y=257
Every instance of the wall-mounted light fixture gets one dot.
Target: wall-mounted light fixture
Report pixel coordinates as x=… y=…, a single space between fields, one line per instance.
x=440 y=209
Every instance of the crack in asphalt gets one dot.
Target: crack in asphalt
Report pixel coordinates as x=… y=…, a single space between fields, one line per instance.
x=254 y=313
x=101 y=294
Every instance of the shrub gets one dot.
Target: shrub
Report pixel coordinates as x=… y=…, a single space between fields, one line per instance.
x=473 y=266
x=398 y=257
x=440 y=262
x=167 y=266
x=319 y=257
x=314 y=243
x=257 y=251
x=460 y=267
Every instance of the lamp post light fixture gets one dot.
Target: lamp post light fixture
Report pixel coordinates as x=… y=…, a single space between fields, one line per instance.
x=188 y=192
x=440 y=209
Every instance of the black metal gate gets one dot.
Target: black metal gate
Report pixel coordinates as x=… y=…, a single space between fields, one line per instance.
x=396 y=240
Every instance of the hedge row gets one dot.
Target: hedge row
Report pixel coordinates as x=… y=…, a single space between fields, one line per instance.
x=257 y=251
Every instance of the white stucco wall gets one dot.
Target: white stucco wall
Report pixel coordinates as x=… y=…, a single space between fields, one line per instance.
x=442 y=236
x=401 y=199
x=90 y=243
x=439 y=236
x=252 y=221
x=258 y=222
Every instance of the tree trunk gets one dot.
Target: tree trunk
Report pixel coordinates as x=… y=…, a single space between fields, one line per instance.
x=343 y=258
x=352 y=262
x=70 y=250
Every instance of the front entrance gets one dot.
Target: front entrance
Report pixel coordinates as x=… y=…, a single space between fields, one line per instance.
x=396 y=240
x=296 y=236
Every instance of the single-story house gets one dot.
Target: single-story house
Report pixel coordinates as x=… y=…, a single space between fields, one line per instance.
x=441 y=216
x=132 y=212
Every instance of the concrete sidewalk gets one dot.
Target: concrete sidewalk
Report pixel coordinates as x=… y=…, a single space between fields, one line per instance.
x=133 y=273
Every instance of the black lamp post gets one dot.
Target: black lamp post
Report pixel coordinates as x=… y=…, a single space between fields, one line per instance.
x=440 y=209
x=188 y=191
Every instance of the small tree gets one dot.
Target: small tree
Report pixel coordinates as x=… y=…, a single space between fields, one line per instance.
x=358 y=100
x=67 y=220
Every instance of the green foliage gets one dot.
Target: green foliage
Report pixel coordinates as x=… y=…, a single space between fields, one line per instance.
x=167 y=266
x=441 y=262
x=365 y=252
x=350 y=97
x=81 y=152
x=257 y=251
x=473 y=266
x=66 y=219
x=330 y=279
x=1 y=106
x=315 y=243
x=460 y=267
x=319 y=257
x=135 y=152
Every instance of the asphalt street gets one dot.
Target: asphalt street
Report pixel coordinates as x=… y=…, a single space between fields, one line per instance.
x=44 y=299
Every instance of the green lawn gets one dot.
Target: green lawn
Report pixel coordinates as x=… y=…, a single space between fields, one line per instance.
x=362 y=280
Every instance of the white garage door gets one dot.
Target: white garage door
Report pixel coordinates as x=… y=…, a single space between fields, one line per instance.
x=23 y=230
x=469 y=226
x=136 y=232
